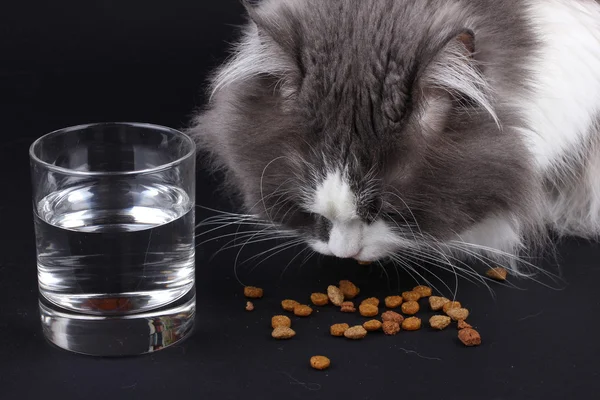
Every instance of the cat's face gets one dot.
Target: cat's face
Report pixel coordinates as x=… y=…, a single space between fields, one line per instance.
x=346 y=134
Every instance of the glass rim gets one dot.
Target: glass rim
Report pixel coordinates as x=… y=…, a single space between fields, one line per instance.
x=146 y=171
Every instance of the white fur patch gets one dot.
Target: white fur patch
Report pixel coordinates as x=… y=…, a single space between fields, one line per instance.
x=334 y=199
x=567 y=78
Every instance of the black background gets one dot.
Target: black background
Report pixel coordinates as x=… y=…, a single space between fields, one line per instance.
x=64 y=63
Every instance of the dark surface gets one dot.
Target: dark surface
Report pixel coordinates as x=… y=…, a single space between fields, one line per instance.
x=146 y=62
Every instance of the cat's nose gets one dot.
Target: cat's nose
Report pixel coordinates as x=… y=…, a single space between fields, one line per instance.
x=345 y=240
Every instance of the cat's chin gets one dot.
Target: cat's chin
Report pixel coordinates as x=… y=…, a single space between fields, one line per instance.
x=364 y=257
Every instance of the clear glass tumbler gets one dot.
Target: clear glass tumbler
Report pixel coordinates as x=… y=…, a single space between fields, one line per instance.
x=114 y=217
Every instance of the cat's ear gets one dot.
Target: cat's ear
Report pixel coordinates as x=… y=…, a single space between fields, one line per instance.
x=454 y=70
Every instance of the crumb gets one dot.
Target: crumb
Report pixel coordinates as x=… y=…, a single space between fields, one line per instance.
x=451 y=304
x=372 y=325
x=320 y=362
x=335 y=295
x=348 y=307
x=440 y=322
x=368 y=310
x=392 y=316
x=469 y=337
x=410 y=307
x=356 y=332
x=462 y=324
x=319 y=299
x=249 y=306
x=391 y=328
x=349 y=289
x=437 y=303
x=283 y=333
x=289 y=305
x=458 y=314
x=411 y=296
x=338 y=329
x=497 y=273
x=302 y=310
x=424 y=291
x=253 y=292
x=281 y=321
x=393 y=301
x=371 y=300
x=411 y=324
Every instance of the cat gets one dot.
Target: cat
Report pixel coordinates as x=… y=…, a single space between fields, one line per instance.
x=373 y=128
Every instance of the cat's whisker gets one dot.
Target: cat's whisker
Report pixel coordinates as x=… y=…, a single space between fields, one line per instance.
x=292 y=260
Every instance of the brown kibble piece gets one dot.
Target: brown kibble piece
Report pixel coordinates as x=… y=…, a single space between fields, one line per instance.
x=348 y=307
x=440 y=322
x=365 y=263
x=411 y=296
x=349 y=289
x=497 y=273
x=411 y=324
x=450 y=305
x=335 y=295
x=437 y=303
x=458 y=314
x=392 y=316
x=356 y=332
x=252 y=292
x=462 y=324
x=283 y=333
x=281 y=321
x=424 y=291
x=393 y=301
x=368 y=310
x=249 y=306
x=371 y=300
x=319 y=299
x=289 y=305
x=302 y=310
x=320 y=362
x=338 y=329
x=391 y=328
x=372 y=325
x=410 y=307
x=469 y=337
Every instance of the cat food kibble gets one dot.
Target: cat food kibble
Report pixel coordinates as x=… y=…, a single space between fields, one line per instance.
x=302 y=310
x=462 y=324
x=393 y=301
x=392 y=316
x=411 y=296
x=436 y=303
x=458 y=314
x=319 y=299
x=411 y=324
x=281 y=321
x=469 y=337
x=249 y=306
x=320 y=362
x=497 y=273
x=371 y=300
x=365 y=263
x=440 y=322
x=424 y=291
x=252 y=292
x=356 y=333
x=335 y=295
x=368 y=310
x=349 y=289
x=372 y=325
x=451 y=304
x=283 y=333
x=289 y=305
x=391 y=328
x=338 y=329
x=348 y=307
x=410 y=307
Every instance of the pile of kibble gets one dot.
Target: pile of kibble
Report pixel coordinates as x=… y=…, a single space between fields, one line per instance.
x=390 y=322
